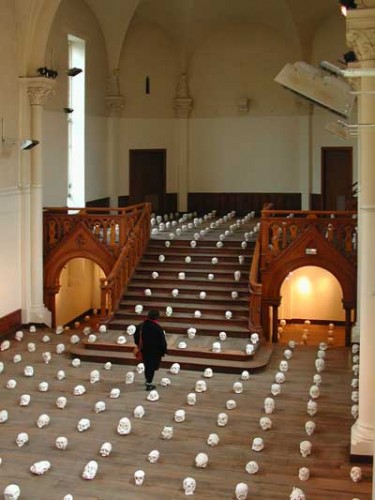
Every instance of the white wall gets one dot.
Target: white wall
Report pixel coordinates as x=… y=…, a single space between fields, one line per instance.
x=311 y=293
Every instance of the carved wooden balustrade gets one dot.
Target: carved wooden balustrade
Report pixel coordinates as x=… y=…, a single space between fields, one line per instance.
x=255 y=292
x=280 y=228
x=111 y=226
x=112 y=287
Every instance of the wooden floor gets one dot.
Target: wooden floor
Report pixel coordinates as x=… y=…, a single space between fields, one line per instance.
x=279 y=461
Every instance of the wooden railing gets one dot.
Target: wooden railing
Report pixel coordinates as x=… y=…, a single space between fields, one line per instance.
x=112 y=287
x=280 y=228
x=255 y=292
x=111 y=226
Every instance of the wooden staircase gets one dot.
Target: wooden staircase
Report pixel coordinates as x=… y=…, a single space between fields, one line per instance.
x=198 y=353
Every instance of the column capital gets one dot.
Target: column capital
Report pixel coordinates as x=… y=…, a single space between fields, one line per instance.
x=182 y=103
x=39 y=89
x=115 y=104
x=360 y=33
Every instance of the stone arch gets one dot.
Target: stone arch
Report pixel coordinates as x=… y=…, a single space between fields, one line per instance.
x=294 y=257
x=80 y=243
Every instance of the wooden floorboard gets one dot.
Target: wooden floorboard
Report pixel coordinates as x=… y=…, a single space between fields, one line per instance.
x=279 y=461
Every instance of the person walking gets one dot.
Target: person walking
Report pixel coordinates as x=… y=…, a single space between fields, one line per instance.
x=150 y=338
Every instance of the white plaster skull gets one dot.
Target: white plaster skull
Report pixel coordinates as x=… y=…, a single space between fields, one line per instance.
x=310 y=427
x=222 y=419
x=40 y=468
x=3 y=416
x=280 y=378
x=61 y=402
x=43 y=420
x=167 y=432
x=86 y=331
x=94 y=376
x=61 y=443
x=355 y=474
x=258 y=444
x=179 y=416
x=237 y=275
x=305 y=448
x=265 y=423
x=314 y=392
x=182 y=345
x=288 y=354
x=355 y=411
x=319 y=365
x=312 y=407
x=181 y=276
x=202 y=295
x=115 y=393
x=76 y=362
x=22 y=439
x=175 y=368
x=121 y=340
x=197 y=314
x=46 y=357
x=323 y=346
x=355 y=396
x=269 y=405
x=355 y=348
x=189 y=484
x=107 y=365
x=5 y=345
x=140 y=368
x=219 y=244
x=17 y=358
x=321 y=354
x=211 y=276
x=59 y=330
x=28 y=371
x=91 y=339
x=31 y=347
x=283 y=366
x=213 y=439
x=191 y=332
x=131 y=329
x=191 y=398
x=317 y=379
x=90 y=470
x=43 y=387
x=1 y=367
x=148 y=292
x=139 y=477
x=193 y=243
x=208 y=373
x=154 y=275
x=83 y=424
x=165 y=382
x=249 y=349
x=297 y=494
x=230 y=404
x=79 y=390
x=200 y=386
x=25 y=399
x=355 y=383
x=99 y=407
x=19 y=335
x=175 y=292
x=238 y=388
x=32 y=329
x=254 y=338
x=74 y=339
x=291 y=343
x=303 y=474
x=138 y=309
x=241 y=491
x=139 y=411
x=105 y=449
x=129 y=377
x=60 y=348
x=355 y=359
x=216 y=347
x=275 y=389
x=228 y=314
x=153 y=456
x=124 y=426
x=252 y=467
x=161 y=258
x=245 y=375
x=201 y=460
x=355 y=369
x=222 y=336
x=11 y=384
x=153 y=396
x=187 y=259
x=60 y=375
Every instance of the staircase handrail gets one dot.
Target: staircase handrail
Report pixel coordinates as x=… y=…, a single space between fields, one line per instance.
x=255 y=291
x=112 y=287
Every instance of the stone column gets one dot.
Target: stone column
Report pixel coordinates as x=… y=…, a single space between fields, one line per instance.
x=361 y=37
x=115 y=102
x=183 y=104
x=38 y=91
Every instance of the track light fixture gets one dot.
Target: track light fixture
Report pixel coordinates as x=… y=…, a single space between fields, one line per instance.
x=74 y=71
x=47 y=73
x=68 y=110
x=24 y=144
x=346 y=5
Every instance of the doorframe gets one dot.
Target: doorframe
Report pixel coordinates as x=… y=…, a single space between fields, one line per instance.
x=331 y=148
x=164 y=171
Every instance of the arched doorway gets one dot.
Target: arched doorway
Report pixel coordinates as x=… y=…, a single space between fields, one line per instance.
x=79 y=290
x=314 y=294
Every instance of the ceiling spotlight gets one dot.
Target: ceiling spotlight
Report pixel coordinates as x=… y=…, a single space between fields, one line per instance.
x=28 y=144
x=346 y=5
x=74 y=71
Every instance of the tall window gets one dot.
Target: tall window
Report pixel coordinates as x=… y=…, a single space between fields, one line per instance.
x=76 y=124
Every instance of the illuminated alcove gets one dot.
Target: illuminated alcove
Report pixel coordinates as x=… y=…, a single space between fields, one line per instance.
x=79 y=291
x=312 y=293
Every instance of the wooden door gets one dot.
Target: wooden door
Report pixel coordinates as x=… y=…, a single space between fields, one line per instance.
x=337 y=177
x=147 y=177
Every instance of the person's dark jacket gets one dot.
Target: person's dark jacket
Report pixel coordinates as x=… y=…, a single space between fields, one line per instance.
x=154 y=344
